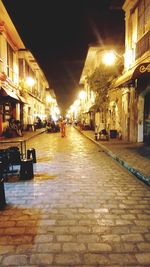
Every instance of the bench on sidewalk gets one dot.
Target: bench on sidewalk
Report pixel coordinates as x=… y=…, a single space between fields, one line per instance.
x=102 y=135
x=9 y=158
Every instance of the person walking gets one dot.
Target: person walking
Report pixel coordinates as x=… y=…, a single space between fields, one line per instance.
x=63 y=127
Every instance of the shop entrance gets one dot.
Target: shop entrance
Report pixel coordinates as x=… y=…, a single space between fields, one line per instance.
x=146 y=132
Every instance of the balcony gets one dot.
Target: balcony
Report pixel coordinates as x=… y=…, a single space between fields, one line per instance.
x=143 y=45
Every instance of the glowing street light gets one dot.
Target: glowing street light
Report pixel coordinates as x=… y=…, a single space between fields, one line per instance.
x=49 y=99
x=30 y=81
x=82 y=95
x=109 y=58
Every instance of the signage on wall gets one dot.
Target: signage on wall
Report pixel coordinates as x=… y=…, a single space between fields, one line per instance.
x=142 y=69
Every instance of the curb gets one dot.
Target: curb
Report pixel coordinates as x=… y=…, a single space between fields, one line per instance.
x=123 y=163
x=34 y=135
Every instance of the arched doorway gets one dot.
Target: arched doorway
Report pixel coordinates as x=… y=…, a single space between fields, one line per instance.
x=146 y=132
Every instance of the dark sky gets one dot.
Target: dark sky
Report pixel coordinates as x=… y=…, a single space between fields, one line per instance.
x=58 y=33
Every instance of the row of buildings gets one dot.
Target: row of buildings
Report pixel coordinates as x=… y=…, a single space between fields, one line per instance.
x=25 y=93
x=117 y=97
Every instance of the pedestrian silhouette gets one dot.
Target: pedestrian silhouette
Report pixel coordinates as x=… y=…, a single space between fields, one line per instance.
x=63 y=127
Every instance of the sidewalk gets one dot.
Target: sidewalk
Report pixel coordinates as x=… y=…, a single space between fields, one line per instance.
x=135 y=157
x=20 y=140
x=30 y=134
x=26 y=135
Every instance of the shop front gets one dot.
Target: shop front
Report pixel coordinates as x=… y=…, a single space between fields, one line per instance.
x=146 y=128
x=9 y=107
x=142 y=78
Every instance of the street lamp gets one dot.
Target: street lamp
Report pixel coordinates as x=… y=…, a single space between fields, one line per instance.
x=109 y=58
x=82 y=95
x=30 y=81
x=49 y=99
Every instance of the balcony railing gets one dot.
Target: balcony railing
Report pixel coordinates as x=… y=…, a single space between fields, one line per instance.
x=143 y=45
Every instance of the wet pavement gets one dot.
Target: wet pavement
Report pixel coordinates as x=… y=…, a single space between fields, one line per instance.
x=80 y=209
x=135 y=157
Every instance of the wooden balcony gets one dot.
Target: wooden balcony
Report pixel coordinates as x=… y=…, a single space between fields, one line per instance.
x=143 y=45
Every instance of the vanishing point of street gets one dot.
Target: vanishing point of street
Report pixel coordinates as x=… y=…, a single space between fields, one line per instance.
x=81 y=209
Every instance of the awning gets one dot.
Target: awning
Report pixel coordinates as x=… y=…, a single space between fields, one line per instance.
x=142 y=70
x=22 y=99
x=8 y=92
x=129 y=77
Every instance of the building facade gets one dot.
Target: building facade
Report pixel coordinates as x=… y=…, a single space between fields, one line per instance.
x=23 y=85
x=128 y=95
x=10 y=43
x=33 y=86
x=134 y=83
x=95 y=79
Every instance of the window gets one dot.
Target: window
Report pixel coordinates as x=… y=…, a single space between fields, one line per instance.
x=9 y=61
x=21 y=68
x=143 y=17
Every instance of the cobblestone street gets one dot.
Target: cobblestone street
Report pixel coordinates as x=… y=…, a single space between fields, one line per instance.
x=81 y=209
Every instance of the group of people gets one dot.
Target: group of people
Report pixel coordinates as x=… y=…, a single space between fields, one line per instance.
x=13 y=129
x=52 y=126
x=59 y=126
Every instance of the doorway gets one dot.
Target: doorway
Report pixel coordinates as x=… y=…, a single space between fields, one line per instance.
x=146 y=133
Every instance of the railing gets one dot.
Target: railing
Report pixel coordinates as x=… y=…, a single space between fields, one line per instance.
x=143 y=45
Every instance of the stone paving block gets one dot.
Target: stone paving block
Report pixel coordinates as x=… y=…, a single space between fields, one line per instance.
x=123 y=259
x=143 y=258
x=147 y=237
x=79 y=229
x=4 y=249
x=91 y=258
x=74 y=247
x=87 y=238
x=41 y=259
x=67 y=222
x=43 y=238
x=65 y=238
x=110 y=238
x=25 y=248
x=125 y=247
x=48 y=247
x=14 y=231
x=99 y=247
x=67 y=259
x=16 y=260
x=143 y=223
x=144 y=247
x=132 y=237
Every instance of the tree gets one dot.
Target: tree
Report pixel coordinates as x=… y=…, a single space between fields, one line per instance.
x=99 y=82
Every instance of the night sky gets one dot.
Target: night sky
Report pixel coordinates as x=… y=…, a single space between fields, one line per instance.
x=58 y=33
